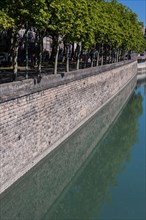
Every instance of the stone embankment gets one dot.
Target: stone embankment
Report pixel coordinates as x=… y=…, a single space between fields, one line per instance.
x=37 y=115
x=141 y=70
x=60 y=169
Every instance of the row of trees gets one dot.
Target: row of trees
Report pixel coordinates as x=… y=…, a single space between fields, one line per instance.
x=94 y=25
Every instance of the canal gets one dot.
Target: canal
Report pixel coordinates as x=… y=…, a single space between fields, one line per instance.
x=96 y=174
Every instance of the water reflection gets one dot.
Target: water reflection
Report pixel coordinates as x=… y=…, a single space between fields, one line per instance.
x=74 y=180
x=84 y=197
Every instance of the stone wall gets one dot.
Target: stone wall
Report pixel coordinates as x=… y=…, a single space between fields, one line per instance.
x=36 y=118
x=141 y=71
x=52 y=177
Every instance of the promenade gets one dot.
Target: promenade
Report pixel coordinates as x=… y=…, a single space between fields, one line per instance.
x=7 y=76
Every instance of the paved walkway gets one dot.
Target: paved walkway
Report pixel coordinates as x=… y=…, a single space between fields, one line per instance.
x=6 y=74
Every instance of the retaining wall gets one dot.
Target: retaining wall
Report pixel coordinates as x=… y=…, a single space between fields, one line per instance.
x=55 y=175
x=141 y=71
x=37 y=117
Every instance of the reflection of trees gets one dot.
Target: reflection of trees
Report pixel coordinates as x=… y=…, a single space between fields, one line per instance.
x=84 y=197
x=145 y=88
x=142 y=82
x=32 y=195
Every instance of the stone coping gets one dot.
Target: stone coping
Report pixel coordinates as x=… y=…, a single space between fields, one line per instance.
x=18 y=89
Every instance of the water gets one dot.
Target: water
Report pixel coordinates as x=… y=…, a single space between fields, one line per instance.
x=86 y=178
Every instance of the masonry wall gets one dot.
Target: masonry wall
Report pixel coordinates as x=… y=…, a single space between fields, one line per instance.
x=141 y=71
x=35 y=118
x=54 y=175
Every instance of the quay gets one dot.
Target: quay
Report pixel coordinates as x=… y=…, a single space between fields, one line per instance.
x=37 y=117
x=141 y=70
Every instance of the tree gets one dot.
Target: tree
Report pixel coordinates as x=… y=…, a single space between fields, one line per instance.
x=6 y=22
x=60 y=24
x=34 y=13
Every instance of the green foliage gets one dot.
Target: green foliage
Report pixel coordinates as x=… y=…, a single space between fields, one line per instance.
x=61 y=18
x=5 y=21
x=34 y=12
x=89 y=22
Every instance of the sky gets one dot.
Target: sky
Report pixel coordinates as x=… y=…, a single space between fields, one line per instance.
x=137 y=6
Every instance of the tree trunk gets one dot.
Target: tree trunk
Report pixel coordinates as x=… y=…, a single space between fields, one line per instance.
x=102 y=55
x=67 y=59
x=15 y=53
x=56 y=59
x=110 y=55
x=15 y=61
x=105 y=49
x=117 y=56
x=53 y=52
x=12 y=47
x=63 y=53
x=97 y=59
x=78 y=55
x=122 y=54
x=9 y=45
x=85 y=59
x=26 y=55
x=113 y=56
x=78 y=62
x=72 y=51
x=40 y=53
x=92 y=58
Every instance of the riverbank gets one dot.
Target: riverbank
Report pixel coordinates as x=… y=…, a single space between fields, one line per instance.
x=46 y=184
x=37 y=116
x=141 y=71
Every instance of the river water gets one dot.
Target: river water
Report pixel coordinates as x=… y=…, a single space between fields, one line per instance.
x=86 y=178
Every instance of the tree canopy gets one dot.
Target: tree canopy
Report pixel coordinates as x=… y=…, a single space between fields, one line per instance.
x=95 y=24
x=5 y=21
x=84 y=20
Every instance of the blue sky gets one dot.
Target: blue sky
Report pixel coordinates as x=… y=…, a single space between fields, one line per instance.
x=138 y=6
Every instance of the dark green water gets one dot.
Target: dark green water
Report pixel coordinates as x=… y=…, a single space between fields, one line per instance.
x=88 y=179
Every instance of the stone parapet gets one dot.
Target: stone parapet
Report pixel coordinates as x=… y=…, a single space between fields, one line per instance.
x=17 y=89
